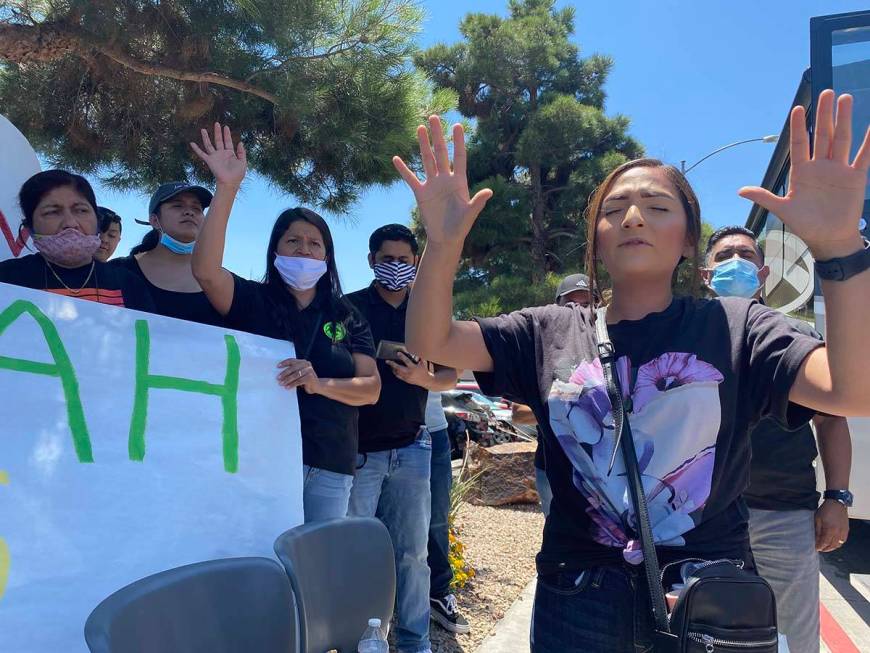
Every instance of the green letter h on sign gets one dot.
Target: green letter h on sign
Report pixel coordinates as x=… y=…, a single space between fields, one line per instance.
x=228 y=393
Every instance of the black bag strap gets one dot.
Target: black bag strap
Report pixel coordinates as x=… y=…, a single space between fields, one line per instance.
x=623 y=437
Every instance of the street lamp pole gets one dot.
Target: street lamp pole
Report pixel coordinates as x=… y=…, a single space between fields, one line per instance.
x=763 y=139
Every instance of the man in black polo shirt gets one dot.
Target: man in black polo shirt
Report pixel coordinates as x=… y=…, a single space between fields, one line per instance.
x=393 y=470
x=787 y=527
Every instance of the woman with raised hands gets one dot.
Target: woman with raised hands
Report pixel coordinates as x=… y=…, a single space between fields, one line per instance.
x=300 y=300
x=695 y=373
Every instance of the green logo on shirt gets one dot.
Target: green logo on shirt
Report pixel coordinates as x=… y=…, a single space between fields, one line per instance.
x=335 y=331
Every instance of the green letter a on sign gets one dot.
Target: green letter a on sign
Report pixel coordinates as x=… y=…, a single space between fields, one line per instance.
x=61 y=368
x=145 y=381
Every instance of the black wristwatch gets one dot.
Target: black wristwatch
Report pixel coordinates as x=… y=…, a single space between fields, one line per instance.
x=840 y=269
x=843 y=496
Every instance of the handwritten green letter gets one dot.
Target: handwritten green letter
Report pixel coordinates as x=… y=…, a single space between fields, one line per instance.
x=62 y=368
x=228 y=393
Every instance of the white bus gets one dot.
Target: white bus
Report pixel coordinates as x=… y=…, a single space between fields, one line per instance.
x=839 y=59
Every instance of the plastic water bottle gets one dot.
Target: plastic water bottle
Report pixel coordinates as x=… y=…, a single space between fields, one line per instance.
x=373 y=640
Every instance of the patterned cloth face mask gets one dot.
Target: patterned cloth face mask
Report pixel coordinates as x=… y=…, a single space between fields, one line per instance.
x=395 y=276
x=69 y=248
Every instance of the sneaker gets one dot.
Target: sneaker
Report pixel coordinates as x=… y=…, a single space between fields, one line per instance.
x=446 y=614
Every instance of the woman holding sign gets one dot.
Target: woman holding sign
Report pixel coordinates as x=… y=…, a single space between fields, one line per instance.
x=695 y=374
x=60 y=212
x=300 y=300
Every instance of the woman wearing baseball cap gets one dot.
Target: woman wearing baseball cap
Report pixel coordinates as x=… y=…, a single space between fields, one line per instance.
x=162 y=259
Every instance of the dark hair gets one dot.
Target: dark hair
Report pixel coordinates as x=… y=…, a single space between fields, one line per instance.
x=593 y=211
x=336 y=307
x=392 y=232
x=149 y=242
x=107 y=218
x=42 y=183
x=731 y=230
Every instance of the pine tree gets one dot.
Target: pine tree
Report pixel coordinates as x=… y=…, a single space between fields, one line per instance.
x=320 y=90
x=542 y=142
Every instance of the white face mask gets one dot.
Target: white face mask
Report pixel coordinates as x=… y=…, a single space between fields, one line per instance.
x=299 y=272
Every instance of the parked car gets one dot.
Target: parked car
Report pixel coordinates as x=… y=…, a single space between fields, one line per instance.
x=473 y=416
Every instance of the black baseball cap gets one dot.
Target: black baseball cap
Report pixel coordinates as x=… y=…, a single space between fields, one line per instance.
x=571 y=283
x=167 y=191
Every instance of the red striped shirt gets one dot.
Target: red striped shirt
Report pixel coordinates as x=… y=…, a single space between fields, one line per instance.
x=99 y=295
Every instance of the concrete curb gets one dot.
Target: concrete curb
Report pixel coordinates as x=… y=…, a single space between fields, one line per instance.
x=511 y=634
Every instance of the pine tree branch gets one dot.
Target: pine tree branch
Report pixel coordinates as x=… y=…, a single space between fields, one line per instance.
x=44 y=43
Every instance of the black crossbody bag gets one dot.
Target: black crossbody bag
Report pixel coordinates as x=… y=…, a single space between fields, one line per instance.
x=723 y=608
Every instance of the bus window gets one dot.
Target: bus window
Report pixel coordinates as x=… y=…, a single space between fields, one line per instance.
x=790 y=285
x=850 y=73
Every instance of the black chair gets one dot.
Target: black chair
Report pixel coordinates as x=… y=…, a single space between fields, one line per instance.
x=343 y=573
x=235 y=605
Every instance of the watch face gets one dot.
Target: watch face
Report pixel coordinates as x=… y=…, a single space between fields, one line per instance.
x=843 y=496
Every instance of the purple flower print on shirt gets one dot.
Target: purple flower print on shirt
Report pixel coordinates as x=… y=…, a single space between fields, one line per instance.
x=667 y=372
x=675 y=418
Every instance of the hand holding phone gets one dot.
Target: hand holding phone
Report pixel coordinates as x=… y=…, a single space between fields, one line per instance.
x=390 y=350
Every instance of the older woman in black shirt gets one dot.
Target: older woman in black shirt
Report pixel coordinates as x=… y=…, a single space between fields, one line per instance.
x=60 y=212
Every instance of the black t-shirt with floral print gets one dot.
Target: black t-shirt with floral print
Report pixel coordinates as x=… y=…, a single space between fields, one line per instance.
x=696 y=376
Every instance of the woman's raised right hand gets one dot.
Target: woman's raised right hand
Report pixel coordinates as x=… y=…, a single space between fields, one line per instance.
x=446 y=211
x=228 y=164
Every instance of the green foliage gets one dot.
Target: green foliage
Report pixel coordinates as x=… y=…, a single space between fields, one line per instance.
x=542 y=142
x=321 y=90
x=688 y=278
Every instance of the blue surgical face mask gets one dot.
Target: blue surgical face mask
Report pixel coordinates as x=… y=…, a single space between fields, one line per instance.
x=176 y=246
x=736 y=277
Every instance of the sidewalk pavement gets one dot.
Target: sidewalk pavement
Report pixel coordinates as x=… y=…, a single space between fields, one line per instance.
x=511 y=634
x=843 y=629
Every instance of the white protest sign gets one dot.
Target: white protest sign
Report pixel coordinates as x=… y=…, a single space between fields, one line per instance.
x=130 y=443
x=18 y=163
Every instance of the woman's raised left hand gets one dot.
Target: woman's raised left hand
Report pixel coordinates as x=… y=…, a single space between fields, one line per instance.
x=826 y=192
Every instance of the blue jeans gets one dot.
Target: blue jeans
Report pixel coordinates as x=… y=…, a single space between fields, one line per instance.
x=599 y=610
x=439 y=543
x=544 y=491
x=325 y=494
x=393 y=485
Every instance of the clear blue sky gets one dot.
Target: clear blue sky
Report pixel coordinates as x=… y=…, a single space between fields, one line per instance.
x=691 y=76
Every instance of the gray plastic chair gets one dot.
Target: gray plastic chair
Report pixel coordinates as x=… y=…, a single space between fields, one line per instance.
x=235 y=605
x=343 y=573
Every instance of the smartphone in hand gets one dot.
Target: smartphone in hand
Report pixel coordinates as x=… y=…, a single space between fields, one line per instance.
x=389 y=350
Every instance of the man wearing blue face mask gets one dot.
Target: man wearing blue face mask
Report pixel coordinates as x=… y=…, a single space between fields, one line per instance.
x=393 y=471
x=787 y=526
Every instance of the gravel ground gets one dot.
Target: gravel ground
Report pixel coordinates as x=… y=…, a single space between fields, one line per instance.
x=500 y=543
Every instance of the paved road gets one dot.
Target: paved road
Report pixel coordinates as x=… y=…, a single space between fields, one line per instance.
x=845 y=593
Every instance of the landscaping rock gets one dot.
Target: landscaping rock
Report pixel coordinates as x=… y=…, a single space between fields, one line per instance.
x=506 y=474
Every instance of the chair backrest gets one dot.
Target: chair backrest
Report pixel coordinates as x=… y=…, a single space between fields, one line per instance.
x=343 y=573
x=235 y=605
